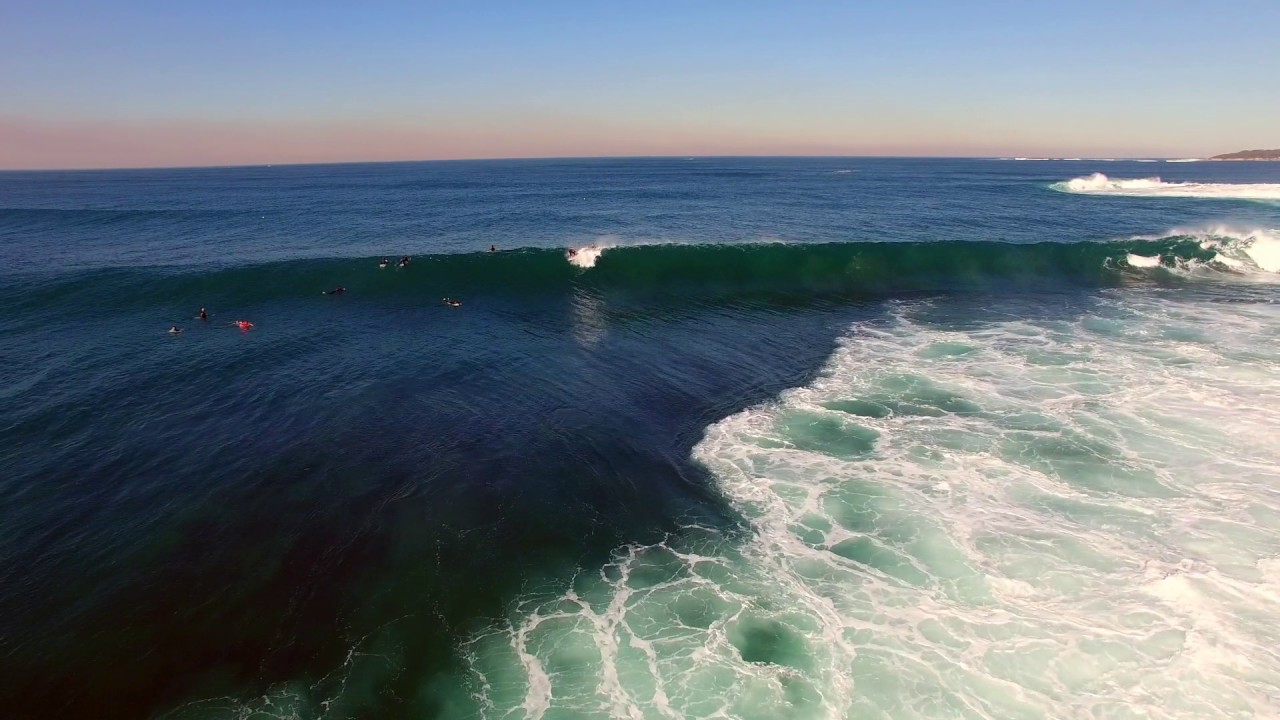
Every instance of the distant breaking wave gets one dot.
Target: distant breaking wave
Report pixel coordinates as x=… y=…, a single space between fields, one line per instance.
x=1101 y=159
x=1099 y=184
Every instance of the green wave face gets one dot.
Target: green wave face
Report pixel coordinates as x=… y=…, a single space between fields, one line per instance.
x=705 y=273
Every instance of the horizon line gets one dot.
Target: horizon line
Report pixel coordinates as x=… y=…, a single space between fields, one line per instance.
x=587 y=157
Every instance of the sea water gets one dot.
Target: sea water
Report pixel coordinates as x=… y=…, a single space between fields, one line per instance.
x=806 y=438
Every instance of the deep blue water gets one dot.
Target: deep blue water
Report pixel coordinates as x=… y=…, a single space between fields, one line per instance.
x=216 y=513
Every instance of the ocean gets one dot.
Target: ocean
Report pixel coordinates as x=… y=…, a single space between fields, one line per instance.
x=782 y=438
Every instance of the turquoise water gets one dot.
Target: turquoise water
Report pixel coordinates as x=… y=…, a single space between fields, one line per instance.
x=806 y=438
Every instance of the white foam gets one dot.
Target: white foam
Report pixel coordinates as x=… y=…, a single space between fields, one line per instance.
x=1239 y=248
x=1061 y=651
x=1264 y=250
x=1099 y=184
x=1183 y=160
x=1142 y=261
x=586 y=256
x=1231 y=263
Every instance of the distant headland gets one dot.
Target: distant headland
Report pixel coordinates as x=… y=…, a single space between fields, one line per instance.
x=1249 y=155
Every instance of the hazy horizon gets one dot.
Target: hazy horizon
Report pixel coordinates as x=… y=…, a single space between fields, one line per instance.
x=148 y=85
x=1059 y=157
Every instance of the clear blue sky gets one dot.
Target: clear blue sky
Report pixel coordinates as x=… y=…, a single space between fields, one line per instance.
x=151 y=83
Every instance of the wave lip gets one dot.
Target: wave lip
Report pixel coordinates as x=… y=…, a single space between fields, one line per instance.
x=1099 y=184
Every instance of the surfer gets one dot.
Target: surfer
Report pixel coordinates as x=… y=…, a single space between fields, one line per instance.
x=242 y=324
x=174 y=330
x=385 y=262
x=336 y=291
x=572 y=252
x=493 y=248
x=451 y=302
x=404 y=261
x=203 y=315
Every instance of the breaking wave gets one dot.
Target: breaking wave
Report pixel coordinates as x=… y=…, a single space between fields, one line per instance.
x=1099 y=184
x=703 y=273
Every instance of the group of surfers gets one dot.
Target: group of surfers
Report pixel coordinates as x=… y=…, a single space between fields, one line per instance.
x=246 y=325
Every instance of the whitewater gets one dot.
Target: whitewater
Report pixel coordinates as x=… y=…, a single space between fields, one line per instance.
x=1099 y=184
x=1251 y=252
x=1009 y=517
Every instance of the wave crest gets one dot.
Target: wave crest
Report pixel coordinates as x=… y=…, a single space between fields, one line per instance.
x=680 y=273
x=1242 y=247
